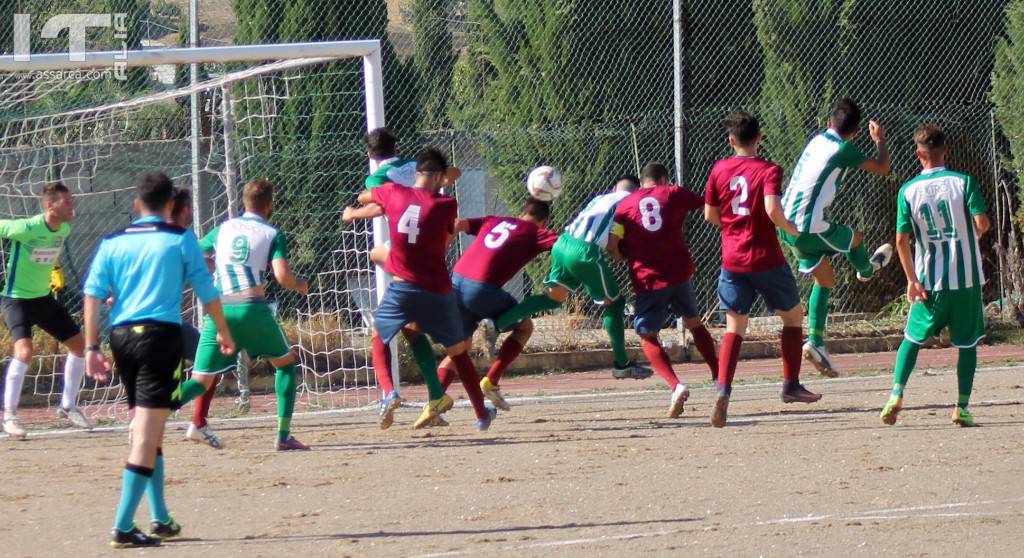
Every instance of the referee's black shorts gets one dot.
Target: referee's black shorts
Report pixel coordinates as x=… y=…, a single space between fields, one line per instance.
x=148 y=359
x=20 y=314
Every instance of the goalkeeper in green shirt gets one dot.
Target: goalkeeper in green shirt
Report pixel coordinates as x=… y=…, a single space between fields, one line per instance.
x=34 y=249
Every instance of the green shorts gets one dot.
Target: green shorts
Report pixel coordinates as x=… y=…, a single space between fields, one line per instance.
x=255 y=331
x=960 y=310
x=575 y=263
x=811 y=249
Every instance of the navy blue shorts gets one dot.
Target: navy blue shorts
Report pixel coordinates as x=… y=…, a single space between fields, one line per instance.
x=478 y=300
x=435 y=314
x=653 y=307
x=777 y=287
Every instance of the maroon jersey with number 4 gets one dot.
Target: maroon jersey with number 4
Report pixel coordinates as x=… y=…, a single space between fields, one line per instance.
x=651 y=223
x=420 y=222
x=737 y=186
x=502 y=247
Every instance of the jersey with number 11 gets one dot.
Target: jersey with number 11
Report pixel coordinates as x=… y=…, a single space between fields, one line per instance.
x=737 y=186
x=420 y=222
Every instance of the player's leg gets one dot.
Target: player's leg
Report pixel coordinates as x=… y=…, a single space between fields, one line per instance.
x=55 y=320
x=817 y=318
x=560 y=282
x=736 y=294
x=965 y=315
x=209 y=365
x=18 y=318
x=651 y=312
x=388 y=320
x=589 y=269
x=921 y=324
x=779 y=290
x=379 y=255
x=684 y=303
x=510 y=349
x=866 y=265
x=285 y=383
x=423 y=353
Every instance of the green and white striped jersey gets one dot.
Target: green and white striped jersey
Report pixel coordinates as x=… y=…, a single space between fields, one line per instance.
x=243 y=248
x=817 y=177
x=938 y=207
x=399 y=171
x=593 y=224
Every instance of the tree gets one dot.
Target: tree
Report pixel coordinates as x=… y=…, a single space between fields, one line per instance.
x=433 y=59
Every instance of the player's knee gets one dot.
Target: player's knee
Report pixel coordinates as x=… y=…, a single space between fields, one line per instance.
x=858 y=238
x=693 y=323
x=23 y=350
x=456 y=349
x=558 y=293
x=651 y=337
x=76 y=345
x=525 y=328
x=286 y=360
x=794 y=317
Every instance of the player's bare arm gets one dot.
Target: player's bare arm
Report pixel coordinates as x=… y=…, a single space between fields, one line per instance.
x=982 y=224
x=881 y=163
x=713 y=215
x=461 y=226
x=365 y=197
x=96 y=365
x=287 y=279
x=915 y=290
x=773 y=207
x=614 y=248
x=215 y=310
x=361 y=213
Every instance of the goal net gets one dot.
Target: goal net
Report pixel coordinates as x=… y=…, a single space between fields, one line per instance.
x=298 y=121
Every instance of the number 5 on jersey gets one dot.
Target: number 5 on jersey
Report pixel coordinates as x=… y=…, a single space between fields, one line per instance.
x=409 y=224
x=498 y=235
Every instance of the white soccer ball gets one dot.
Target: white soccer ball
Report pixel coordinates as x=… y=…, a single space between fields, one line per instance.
x=544 y=183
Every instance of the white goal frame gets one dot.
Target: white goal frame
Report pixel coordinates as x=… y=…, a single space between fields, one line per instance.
x=373 y=83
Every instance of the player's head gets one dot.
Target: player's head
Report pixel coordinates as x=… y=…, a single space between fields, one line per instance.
x=626 y=183
x=258 y=197
x=181 y=207
x=536 y=211
x=431 y=169
x=155 y=194
x=931 y=144
x=845 y=117
x=653 y=174
x=744 y=130
x=57 y=200
x=381 y=144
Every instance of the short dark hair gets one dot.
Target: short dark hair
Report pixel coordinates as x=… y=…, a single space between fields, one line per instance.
x=258 y=194
x=431 y=160
x=845 y=116
x=743 y=127
x=181 y=199
x=654 y=171
x=381 y=143
x=539 y=210
x=634 y=182
x=929 y=137
x=54 y=190
x=155 y=191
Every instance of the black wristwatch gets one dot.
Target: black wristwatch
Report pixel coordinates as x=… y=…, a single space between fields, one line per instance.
x=95 y=348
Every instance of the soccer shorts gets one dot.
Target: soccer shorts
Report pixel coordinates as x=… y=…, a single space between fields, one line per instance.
x=20 y=314
x=575 y=263
x=653 y=307
x=148 y=360
x=811 y=249
x=190 y=339
x=254 y=329
x=961 y=311
x=478 y=300
x=737 y=291
x=436 y=314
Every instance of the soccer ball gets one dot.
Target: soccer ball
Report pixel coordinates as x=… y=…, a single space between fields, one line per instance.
x=544 y=183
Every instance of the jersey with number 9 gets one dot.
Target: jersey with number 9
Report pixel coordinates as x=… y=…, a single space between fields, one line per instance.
x=420 y=223
x=737 y=186
x=650 y=222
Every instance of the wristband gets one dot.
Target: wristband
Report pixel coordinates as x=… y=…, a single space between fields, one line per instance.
x=94 y=348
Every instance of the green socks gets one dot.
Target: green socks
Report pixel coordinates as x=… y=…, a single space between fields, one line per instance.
x=965 y=367
x=423 y=352
x=284 y=387
x=529 y=307
x=615 y=326
x=906 y=359
x=190 y=390
x=155 y=491
x=817 y=314
x=861 y=260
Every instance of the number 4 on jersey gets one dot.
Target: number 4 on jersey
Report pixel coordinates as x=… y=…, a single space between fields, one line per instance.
x=409 y=224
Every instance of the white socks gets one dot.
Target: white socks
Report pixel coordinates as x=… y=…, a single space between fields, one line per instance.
x=12 y=389
x=74 y=370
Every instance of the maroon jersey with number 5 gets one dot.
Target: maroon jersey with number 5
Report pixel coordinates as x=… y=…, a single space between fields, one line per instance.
x=737 y=186
x=420 y=223
x=502 y=247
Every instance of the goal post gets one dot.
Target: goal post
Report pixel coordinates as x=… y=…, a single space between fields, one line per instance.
x=96 y=147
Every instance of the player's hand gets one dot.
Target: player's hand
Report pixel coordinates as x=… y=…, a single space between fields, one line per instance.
x=348 y=215
x=109 y=301
x=97 y=366
x=916 y=292
x=227 y=344
x=877 y=131
x=302 y=286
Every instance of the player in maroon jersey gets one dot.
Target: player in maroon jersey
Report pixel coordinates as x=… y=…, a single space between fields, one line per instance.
x=648 y=232
x=421 y=224
x=502 y=247
x=742 y=198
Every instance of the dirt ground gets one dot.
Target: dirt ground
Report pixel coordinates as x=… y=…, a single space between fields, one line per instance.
x=591 y=474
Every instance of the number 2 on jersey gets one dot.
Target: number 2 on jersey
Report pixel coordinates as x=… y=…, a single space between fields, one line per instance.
x=409 y=224
x=650 y=214
x=739 y=183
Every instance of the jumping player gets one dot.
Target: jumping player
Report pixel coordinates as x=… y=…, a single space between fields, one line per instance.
x=421 y=224
x=577 y=259
x=35 y=248
x=945 y=215
x=816 y=179
x=742 y=198
x=649 y=232
x=244 y=247
x=502 y=247
x=144 y=267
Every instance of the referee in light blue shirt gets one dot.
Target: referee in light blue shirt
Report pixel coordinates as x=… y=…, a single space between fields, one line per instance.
x=144 y=266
